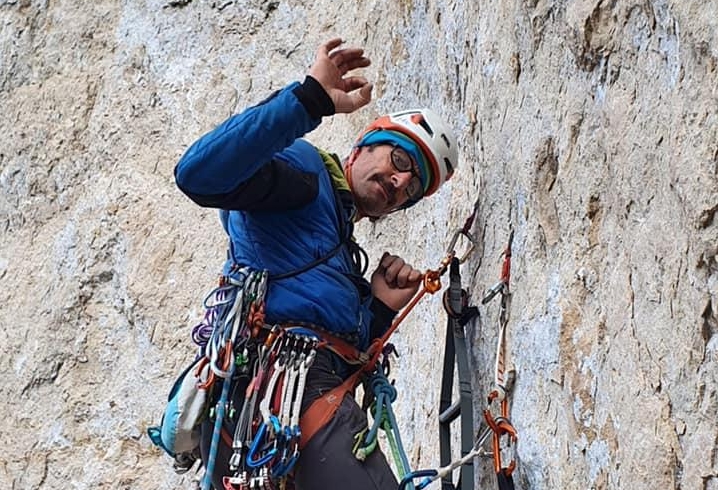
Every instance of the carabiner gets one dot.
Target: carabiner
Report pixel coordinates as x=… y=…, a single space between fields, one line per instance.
x=501 y=426
x=256 y=463
x=291 y=443
x=235 y=482
x=429 y=476
x=499 y=287
x=455 y=238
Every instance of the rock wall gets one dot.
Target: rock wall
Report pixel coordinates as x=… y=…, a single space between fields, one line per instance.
x=589 y=128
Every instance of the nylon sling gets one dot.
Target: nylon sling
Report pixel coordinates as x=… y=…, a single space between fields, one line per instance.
x=455 y=352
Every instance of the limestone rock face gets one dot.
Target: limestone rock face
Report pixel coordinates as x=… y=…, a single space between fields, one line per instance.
x=589 y=128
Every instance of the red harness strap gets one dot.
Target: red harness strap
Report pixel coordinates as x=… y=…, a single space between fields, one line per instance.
x=322 y=410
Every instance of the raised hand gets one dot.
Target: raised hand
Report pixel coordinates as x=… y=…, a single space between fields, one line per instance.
x=330 y=69
x=395 y=282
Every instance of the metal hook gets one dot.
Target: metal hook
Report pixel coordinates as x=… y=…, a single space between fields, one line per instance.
x=261 y=461
x=455 y=238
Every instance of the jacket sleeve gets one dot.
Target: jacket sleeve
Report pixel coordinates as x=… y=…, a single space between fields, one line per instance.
x=232 y=166
x=382 y=316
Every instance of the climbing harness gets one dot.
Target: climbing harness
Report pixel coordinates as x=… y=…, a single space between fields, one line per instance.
x=323 y=408
x=235 y=342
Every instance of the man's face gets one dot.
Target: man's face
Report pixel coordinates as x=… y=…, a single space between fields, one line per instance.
x=378 y=187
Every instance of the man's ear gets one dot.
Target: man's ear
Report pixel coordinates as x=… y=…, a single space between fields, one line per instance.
x=349 y=161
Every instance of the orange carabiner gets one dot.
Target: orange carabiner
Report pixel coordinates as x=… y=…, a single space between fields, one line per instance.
x=255 y=318
x=501 y=426
x=207 y=384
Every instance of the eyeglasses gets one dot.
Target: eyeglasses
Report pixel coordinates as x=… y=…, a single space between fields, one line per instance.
x=402 y=162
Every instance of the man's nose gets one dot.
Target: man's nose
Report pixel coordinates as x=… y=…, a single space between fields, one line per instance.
x=400 y=180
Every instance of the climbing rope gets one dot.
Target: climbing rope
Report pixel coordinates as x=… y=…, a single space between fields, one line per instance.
x=383 y=415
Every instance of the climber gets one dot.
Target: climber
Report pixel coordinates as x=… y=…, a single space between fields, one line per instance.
x=289 y=208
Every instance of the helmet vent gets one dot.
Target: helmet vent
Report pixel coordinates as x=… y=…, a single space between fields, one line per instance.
x=449 y=167
x=421 y=121
x=446 y=140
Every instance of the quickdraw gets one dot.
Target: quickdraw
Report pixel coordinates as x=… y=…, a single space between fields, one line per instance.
x=501 y=425
x=266 y=439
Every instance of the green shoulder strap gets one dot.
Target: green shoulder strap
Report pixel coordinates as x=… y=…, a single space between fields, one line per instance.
x=334 y=167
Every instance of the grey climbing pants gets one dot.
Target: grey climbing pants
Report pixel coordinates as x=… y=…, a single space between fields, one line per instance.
x=327 y=462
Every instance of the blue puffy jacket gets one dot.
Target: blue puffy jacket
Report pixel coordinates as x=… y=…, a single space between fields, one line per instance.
x=282 y=212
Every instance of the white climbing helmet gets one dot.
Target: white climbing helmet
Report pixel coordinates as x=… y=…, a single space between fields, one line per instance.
x=428 y=131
